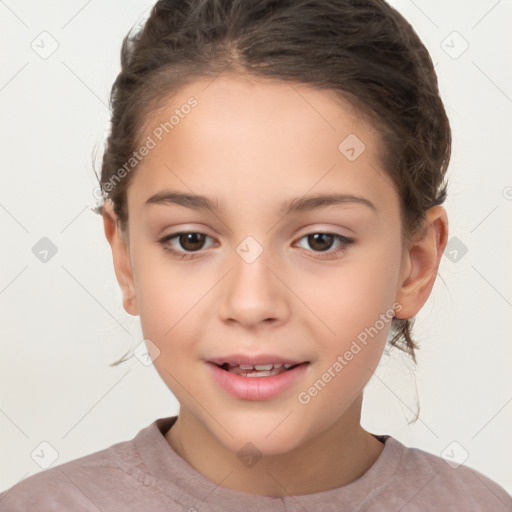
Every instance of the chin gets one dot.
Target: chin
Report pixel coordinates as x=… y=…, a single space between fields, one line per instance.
x=264 y=437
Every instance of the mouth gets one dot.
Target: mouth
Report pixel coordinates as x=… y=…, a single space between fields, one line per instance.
x=261 y=370
x=257 y=378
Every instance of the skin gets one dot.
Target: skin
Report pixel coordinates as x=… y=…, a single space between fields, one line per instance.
x=251 y=144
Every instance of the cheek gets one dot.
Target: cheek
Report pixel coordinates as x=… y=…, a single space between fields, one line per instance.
x=168 y=297
x=355 y=302
x=169 y=309
x=351 y=298
x=357 y=308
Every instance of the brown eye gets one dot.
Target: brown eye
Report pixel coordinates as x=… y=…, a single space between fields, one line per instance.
x=320 y=241
x=323 y=243
x=191 y=241
x=185 y=243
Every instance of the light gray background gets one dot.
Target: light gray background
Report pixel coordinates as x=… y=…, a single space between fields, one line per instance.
x=62 y=321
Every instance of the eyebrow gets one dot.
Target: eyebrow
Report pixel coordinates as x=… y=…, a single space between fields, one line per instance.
x=296 y=205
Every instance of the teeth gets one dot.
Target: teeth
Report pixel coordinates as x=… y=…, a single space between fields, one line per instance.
x=259 y=370
x=264 y=367
x=260 y=373
x=259 y=367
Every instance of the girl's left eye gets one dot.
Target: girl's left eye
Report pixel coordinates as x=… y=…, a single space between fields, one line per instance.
x=192 y=242
x=324 y=241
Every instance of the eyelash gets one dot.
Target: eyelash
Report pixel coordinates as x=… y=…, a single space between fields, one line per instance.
x=164 y=241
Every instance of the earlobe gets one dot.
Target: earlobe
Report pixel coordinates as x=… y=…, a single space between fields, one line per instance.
x=121 y=258
x=420 y=263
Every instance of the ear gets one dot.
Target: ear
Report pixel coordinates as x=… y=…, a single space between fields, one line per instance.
x=121 y=257
x=420 y=262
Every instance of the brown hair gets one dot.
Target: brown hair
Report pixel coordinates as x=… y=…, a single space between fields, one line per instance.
x=362 y=50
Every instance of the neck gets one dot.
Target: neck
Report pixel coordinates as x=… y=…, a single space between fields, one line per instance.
x=337 y=456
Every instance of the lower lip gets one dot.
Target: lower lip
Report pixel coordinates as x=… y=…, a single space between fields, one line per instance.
x=257 y=388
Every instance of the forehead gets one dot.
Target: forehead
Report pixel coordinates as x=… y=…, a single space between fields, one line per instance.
x=258 y=137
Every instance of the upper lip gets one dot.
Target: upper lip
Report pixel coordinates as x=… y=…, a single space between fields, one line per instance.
x=260 y=359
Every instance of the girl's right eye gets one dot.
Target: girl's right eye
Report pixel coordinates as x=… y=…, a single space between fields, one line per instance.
x=190 y=241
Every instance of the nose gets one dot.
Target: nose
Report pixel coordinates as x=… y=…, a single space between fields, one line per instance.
x=251 y=294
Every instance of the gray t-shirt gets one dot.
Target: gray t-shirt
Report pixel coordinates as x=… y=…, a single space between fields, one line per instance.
x=146 y=474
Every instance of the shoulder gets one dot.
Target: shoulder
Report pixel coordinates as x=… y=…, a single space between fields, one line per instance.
x=83 y=484
x=429 y=481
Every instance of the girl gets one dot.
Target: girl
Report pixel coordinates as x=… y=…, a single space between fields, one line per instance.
x=273 y=184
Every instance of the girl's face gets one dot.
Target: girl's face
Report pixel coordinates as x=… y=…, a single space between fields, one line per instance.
x=252 y=282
